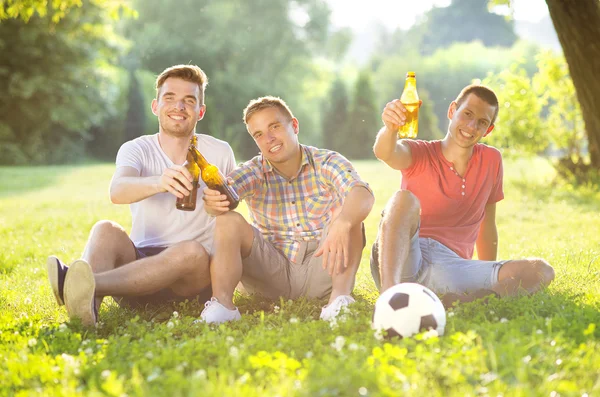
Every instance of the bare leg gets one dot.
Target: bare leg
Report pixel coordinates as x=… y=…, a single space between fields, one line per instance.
x=109 y=251
x=527 y=275
x=343 y=283
x=233 y=241
x=400 y=223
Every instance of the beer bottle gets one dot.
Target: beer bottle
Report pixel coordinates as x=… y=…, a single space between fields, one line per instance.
x=213 y=178
x=188 y=203
x=410 y=100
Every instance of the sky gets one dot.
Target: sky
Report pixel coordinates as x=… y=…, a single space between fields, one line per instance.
x=403 y=13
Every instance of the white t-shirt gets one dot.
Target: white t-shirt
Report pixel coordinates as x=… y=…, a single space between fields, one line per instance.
x=155 y=220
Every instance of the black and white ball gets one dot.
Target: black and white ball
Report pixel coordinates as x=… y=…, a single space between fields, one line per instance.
x=407 y=309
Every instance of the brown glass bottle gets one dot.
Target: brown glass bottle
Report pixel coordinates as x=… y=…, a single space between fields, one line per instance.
x=213 y=178
x=188 y=203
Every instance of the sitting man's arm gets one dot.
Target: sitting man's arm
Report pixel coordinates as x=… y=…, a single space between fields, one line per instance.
x=336 y=246
x=487 y=239
x=128 y=187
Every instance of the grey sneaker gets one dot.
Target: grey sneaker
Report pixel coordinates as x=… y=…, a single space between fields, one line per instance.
x=79 y=294
x=57 y=272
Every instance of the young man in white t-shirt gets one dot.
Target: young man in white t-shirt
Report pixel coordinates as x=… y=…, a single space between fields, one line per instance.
x=166 y=257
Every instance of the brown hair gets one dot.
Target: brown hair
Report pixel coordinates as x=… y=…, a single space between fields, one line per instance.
x=266 y=102
x=191 y=73
x=482 y=92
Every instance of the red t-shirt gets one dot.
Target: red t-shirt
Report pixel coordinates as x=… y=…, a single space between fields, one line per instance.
x=453 y=206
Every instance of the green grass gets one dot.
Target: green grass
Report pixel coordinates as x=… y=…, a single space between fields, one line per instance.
x=543 y=345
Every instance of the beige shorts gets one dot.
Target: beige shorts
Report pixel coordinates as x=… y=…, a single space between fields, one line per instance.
x=266 y=271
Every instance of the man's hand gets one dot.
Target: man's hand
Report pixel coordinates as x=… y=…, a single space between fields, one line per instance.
x=177 y=180
x=336 y=247
x=215 y=203
x=394 y=115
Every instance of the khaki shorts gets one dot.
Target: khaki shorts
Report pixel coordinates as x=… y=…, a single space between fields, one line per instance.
x=268 y=272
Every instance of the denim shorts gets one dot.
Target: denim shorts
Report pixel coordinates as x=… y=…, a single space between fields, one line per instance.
x=440 y=269
x=165 y=295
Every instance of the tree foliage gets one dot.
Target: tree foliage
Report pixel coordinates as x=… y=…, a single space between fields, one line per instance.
x=247 y=49
x=57 y=9
x=577 y=24
x=56 y=84
x=363 y=121
x=540 y=113
x=463 y=21
x=135 y=122
x=335 y=116
x=518 y=127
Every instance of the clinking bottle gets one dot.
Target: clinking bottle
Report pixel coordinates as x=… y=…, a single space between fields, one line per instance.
x=213 y=178
x=188 y=203
x=410 y=100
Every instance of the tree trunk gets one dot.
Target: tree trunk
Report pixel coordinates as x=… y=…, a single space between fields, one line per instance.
x=577 y=24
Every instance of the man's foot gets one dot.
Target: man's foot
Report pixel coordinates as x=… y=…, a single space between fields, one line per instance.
x=450 y=298
x=215 y=313
x=57 y=272
x=79 y=294
x=331 y=311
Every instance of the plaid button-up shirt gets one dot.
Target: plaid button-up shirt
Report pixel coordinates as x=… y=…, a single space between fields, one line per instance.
x=288 y=211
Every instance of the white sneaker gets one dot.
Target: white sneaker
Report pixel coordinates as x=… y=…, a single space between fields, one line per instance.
x=216 y=313
x=331 y=311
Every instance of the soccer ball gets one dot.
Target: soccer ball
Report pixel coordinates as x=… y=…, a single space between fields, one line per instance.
x=407 y=309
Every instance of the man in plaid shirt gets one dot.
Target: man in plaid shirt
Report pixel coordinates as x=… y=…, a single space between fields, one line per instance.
x=306 y=205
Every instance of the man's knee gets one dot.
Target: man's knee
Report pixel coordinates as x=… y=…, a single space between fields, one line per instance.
x=544 y=271
x=192 y=260
x=401 y=207
x=106 y=228
x=533 y=270
x=230 y=221
x=191 y=254
x=232 y=228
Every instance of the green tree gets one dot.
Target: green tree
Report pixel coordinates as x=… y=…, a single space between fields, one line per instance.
x=577 y=24
x=247 y=49
x=518 y=127
x=564 y=121
x=363 y=122
x=335 y=116
x=464 y=21
x=55 y=79
x=541 y=113
x=135 y=122
x=57 y=9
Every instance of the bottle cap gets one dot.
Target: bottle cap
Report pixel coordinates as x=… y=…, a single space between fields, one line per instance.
x=411 y=74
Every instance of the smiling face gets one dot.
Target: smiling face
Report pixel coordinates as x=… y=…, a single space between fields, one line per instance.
x=470 y=121
x=275 y=134
x=178 y=107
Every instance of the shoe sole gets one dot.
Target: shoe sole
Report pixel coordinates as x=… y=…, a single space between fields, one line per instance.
x=79 y=292
x=52 y=266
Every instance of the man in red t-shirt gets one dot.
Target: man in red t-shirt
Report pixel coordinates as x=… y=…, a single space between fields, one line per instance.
x=446 y=206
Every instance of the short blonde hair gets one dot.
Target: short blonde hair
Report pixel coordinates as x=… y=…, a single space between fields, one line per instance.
x=266 y=102
x=191 y=73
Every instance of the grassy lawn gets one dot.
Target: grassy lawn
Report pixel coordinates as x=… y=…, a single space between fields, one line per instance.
x=544 y=345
